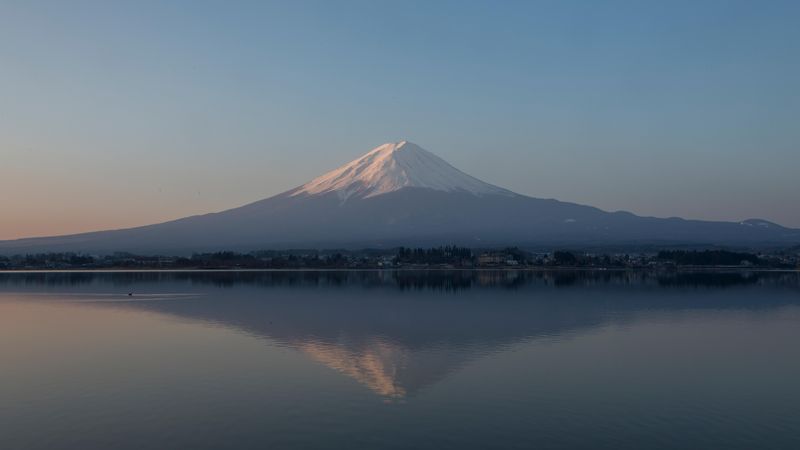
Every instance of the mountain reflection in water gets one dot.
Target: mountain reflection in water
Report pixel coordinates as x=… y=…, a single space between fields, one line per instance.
x=398 y=332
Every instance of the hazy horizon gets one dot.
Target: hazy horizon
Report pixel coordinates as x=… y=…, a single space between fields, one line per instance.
x=130 y=114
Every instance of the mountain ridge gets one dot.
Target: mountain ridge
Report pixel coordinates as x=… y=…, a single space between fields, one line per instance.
x=400 y=194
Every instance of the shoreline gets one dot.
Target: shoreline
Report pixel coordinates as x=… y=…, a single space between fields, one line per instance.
x=718 y=269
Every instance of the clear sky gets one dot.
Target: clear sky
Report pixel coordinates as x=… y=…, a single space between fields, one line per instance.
x=116 y=114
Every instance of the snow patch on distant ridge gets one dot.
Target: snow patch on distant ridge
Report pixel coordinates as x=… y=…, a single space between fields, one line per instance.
x=394 y=166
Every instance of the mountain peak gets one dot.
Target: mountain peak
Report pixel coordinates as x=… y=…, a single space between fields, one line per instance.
x=393 y=166
x=394 y=147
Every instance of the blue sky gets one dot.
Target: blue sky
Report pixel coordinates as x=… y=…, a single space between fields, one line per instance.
x=124 y=113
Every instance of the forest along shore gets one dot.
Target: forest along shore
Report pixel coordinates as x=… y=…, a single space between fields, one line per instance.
x=447 y=257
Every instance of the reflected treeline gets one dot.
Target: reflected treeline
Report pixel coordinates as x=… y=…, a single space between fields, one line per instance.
x=406 y=280
x=703 y=279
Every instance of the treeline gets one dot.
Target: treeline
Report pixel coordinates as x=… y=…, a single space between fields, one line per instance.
x=214 y=260
x=268 y=260
x=571 y=259
x=437 y=255
x=441 y=257
x=47 y=260
x=710 y=258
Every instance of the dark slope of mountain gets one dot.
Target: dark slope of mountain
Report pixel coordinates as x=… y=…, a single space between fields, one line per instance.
x=399 y=194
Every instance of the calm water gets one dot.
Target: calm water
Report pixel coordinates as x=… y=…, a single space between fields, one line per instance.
x=399 y=360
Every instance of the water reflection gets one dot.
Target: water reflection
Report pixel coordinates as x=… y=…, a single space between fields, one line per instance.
x=399 y=332
x=444 y=280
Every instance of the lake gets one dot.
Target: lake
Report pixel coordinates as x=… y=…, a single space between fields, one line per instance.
x=395 y=360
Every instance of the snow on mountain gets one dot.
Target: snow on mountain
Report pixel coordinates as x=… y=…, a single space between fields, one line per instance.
x=393 y=166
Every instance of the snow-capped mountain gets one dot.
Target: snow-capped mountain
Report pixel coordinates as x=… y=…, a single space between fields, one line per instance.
x=400 y=194
x=394 y=166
